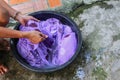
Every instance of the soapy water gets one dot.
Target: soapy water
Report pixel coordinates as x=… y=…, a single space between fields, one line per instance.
x=56 y=50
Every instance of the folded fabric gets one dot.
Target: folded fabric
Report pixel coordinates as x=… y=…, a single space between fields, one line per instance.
x=56 y=50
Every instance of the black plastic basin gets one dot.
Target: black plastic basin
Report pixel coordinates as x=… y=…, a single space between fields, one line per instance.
x=43 y=15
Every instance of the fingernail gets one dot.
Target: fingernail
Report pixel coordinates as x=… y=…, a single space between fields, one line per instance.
x=5 y=70
x=38 y=20
x=46 y=36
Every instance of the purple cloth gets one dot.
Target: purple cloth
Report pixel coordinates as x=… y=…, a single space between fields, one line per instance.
x=56 y=50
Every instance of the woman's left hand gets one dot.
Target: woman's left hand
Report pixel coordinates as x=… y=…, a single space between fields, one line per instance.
x=23 y=19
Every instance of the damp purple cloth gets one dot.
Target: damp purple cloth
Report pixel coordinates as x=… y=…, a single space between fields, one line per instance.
x=56 y=50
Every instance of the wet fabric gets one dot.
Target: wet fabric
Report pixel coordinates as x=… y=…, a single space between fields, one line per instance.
x=56 y=50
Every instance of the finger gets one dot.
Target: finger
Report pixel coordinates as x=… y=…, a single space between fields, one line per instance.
x=4 y=69
x=0 y=72
x=41 y=39
x=38 y=41
x=43 y=35
x=22 y=22
x=32 y=18
x=25 y=22
x=35 y=41
x=46 y=36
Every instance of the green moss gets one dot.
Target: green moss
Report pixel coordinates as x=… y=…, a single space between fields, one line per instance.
x=116 y=37
x=99 y=73
x=81 y=25
x=78 y=10
x=93 y=57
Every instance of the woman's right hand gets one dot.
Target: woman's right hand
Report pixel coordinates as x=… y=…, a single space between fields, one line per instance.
x=34 y=36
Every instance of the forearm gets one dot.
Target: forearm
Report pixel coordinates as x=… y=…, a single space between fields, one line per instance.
x=9 y=33
x=8 y=8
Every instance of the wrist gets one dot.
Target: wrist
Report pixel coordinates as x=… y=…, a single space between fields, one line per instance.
x=24 y=34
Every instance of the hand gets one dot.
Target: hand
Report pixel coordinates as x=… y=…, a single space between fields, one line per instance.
x=34 y=36
x=23 y=19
